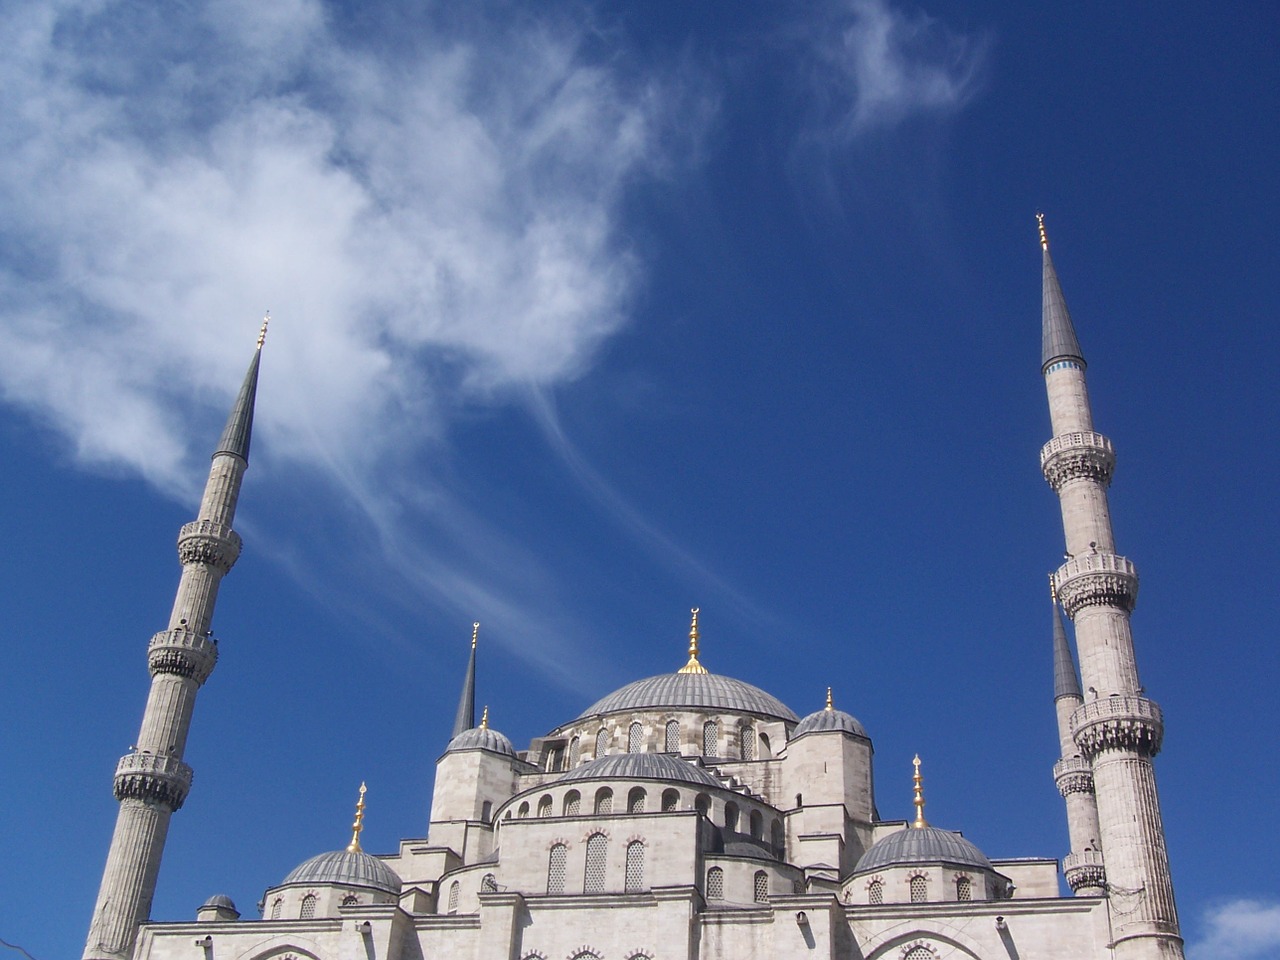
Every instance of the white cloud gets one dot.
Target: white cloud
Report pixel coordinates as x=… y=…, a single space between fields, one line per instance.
x=1242 y=929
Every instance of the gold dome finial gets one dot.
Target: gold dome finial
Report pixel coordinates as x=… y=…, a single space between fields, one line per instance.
x=693 y=666
x=830 y=707
x=1053 y=589
x=358 y=825
x=484 y=718
x=262 y=334
x=1044 y=237
x=475 y=632
x=919 y=798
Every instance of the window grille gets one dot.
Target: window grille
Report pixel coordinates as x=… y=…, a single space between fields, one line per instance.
x=919 y=953
x=602 y=743
x=593 y=878
x=575 y=753
x=670 y=801
x=585 y=955
x=671 y=738
x=747 y=739
x=489 y=884
x=710 y=738
x=635 y=866
x=715 y=884
x=635 y=800
x=555 y=868
x=875 y=892
x=308 y=906
x=964 y=890
x=761 y=887
x=572 y=803
x=453 y=897
x=604 y=801
x=350 y=900
x=276 y=906
x=635 y=738
x=919 y=890
x=544 y=806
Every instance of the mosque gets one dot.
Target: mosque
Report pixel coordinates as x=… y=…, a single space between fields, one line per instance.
x=689 y=815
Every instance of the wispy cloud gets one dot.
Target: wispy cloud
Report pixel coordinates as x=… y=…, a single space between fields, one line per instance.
x=1244 y=929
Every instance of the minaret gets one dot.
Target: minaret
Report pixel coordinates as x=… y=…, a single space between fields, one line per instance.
x=466 y=716
x=1073 y=775
x=1116 y=729
x=152 y=781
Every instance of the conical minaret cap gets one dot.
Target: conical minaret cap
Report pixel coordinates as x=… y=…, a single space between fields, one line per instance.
x=465 y=718
x=1066 y=683
x=1059 y=336
x=239 y=429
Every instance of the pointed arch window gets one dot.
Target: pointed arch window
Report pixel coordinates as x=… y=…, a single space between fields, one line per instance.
x=964 y=888
x=604 y=801
x=671 y=737
x=760 y=887
x=710 y=738
x=593 y=876
x=635 y=738
x=635 y=866
x=602 y=742
x=919 y=889
x=747 y=742
x=635 y=800
x=575 y=753
x=715 y=884
x=454 y=892
x=308 y=906
x=544 y=806
x=670 y=801
x=277 y=907
x=875 y=892
x=572 y=803
x=555 y=868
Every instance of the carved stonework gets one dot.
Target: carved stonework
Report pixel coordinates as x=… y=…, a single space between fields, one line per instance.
x=203 y=541
x=1096 y=579
x=1118 y=723
x=1085 y=873
x=183 y=653
x=1077 y=455
x=149 y=776
x=1073 y=775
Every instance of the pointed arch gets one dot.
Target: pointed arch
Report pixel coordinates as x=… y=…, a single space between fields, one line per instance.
x=593 y=874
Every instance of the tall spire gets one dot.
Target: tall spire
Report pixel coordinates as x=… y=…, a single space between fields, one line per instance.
x=693 y=666
x=239 y=429
x=1059 y=336
x=918 y=783
x=1065 y=681
x=358 y=825
x=465 y=718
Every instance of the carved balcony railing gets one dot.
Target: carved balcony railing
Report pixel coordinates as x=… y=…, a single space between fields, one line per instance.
x=1096 y=579
x=204 y=541
x=1071 y=456
x=1118 y=723
x=183 y=653
x=152 y=776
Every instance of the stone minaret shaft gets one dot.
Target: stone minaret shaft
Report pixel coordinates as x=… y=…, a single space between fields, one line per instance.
x=1116 y=729
x=1073 y=775
x=152 y=781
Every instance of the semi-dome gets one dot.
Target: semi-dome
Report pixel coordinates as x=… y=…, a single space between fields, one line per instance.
x=642 y=766
x=922 y=845
x=706 y=691
x=827 y=719
x=221 y=901
x=353 y=868
x=481 y=738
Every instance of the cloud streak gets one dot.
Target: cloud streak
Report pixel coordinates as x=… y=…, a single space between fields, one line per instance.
x=1245 y=929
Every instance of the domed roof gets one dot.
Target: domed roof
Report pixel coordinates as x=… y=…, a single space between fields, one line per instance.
x=481 y=738
x=922 y=845
x=350 y=867
x=642 y=766
x=696 y=690
x=219 y=900
x=829 y=719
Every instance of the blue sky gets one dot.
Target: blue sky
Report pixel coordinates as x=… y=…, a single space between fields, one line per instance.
x=585 y=314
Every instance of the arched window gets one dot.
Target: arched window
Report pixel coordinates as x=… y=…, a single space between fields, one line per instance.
x=671 y=737
x=778 y=836
x=919 y=953
x=489 y=884
x=575 y=753
x=731 y=817
x=756 y=821
x=635 y=866
x=766 y=751
x=635 y=800
x=710 y=739
x=544 y=806
x=604 y=800
x=919 y=889
x=308 y=906
x=593 y=877
x=702 y=803
x=350 y=900
x=524 y=810
x=635 y=738
x=454 y=891
x=602 y=743
x=715 y=884
x=277 y=905
x=572 y=803
x=964 y=889
x=586 y=955
x=670 y=800
x=747 y=742
x=555 y=868
x=875 y=892
x=761 y=887
x=486 y=811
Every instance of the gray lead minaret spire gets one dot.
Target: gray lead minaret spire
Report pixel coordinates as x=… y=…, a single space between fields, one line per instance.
x=466 y=716
x=152 y=781
x=1116 y=729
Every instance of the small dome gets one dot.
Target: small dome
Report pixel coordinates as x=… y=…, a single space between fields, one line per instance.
x=825 y=720
x=642 y=766
x=220 y=900
x=481 y=738
x=922 y=845
x=697 y=690
x=351 y=868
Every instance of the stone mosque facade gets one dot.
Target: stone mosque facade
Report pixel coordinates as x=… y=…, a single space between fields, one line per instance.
x=689 y=815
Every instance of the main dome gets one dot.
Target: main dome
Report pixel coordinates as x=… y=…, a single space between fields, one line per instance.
x=691 y=690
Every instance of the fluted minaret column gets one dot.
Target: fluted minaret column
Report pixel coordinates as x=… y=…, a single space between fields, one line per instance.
x=1116 y=728
x=1073 y=775
x=152 y=781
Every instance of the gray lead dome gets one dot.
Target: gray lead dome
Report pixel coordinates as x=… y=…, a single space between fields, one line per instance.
x=481 y=738
x=350 y=868
x=707 y=691
x=825 y=720
x=922 y=845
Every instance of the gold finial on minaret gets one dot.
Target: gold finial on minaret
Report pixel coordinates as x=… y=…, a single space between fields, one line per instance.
x=1053 y=588
x=920 y=821
x=693 y=666
x=1044 y=237
x=358 y=825
x=830 y=707
x=475 y=632
x=262 y=334
x=484 y=718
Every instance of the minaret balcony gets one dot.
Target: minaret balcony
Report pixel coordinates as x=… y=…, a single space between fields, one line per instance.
x=1074 y=456
x=152 y=776
x=1096 y=579
x=1118 y=723
x=204 y=541
x=182 y=653
x=1083 y=869
x=1073 y=775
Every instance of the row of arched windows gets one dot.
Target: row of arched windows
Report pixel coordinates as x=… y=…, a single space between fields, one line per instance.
x=759 y=885
x=594 y=871
x=751 y=746
x=919 y=887
x=588 y=955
